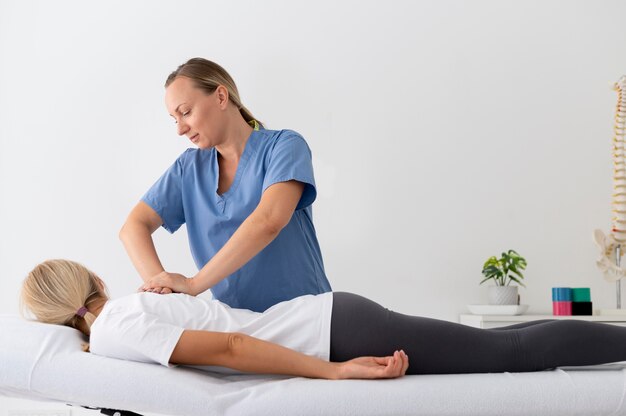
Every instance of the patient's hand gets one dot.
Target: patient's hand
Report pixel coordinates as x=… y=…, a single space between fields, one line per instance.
x=166 y=282
x=375 y=367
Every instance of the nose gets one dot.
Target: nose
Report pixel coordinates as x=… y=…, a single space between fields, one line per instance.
x=181 y=128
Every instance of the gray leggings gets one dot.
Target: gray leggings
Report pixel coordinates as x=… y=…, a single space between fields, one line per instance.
x=361 y=327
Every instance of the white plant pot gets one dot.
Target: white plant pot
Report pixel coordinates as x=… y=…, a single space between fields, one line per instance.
x=503 y=295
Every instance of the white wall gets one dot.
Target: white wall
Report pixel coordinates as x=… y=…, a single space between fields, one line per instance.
x=443 y=132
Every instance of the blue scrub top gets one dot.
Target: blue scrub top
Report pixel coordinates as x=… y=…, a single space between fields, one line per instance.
x=291 y=265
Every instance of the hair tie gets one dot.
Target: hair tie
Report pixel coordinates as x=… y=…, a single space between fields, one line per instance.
x=82 y=311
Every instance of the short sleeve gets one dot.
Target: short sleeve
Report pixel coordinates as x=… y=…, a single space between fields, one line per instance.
x=290 y=159
x=136 y=336
x=165 y=197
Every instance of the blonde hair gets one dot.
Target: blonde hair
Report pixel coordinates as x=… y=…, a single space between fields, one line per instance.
x=207 y=76
x=56 y=289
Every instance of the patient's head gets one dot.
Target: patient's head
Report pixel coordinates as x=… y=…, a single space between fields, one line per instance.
x=56 y=289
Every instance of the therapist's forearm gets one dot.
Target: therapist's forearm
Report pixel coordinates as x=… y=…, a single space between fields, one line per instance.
x=254 y=234
x=137 y=240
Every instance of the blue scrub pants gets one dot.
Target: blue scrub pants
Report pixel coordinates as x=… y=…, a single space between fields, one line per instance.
x=361 y=327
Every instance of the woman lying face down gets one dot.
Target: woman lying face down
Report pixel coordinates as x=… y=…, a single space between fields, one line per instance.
x=332 y=335
x=183 y=329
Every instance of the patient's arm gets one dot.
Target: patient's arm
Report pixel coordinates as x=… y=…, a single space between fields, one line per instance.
x=245 y=353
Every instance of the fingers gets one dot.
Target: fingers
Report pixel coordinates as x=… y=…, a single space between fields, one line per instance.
x=397 y=364
x=157 y=281
x=155 y=284
x=149 y=286
x=156 y=289
x=405 y=366
x=146 y=288
x=173 y=282
x=382 y=360
x=160 y=290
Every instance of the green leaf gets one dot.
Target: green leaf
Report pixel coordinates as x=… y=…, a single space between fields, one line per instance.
x=491 y=261
x=484 y=280
x=521 y=276
x=507 y=267
x=517 y=281
x=492 y=271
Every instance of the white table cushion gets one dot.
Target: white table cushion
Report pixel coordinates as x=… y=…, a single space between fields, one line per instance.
x=39 y=361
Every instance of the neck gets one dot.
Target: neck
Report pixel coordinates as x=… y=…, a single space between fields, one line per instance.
x=237 y=134
x=95 y=308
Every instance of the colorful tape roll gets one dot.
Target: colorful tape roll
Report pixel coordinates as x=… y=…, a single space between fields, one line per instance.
x=571 y=301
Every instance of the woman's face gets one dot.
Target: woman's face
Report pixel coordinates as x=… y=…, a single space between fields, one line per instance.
x=198 y=115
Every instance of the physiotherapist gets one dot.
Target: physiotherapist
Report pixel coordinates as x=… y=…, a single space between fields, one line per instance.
x=244 y=193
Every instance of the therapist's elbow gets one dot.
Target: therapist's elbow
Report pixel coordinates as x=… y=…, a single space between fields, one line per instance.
x=132 y=228
x=122 y=233
x=125 y=231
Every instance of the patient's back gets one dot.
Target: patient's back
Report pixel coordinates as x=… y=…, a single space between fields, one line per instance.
x=146 y=327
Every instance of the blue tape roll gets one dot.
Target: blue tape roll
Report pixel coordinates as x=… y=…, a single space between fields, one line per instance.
x=561 y=294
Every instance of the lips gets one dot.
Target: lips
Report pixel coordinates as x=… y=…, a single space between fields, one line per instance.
x=194 y=138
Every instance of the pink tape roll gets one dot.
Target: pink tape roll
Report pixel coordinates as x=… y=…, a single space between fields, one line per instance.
x=561 y=308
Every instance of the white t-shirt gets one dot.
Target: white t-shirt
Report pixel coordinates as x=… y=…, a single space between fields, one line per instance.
x=146 y=327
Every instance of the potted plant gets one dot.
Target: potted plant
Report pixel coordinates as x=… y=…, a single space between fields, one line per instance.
x=504 y=270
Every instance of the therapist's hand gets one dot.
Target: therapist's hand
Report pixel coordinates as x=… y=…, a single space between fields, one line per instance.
x=175 y=282
x=159 y=290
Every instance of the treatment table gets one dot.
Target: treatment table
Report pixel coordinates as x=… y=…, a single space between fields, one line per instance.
x=45 y=362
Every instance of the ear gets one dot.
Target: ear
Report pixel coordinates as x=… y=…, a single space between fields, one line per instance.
x=221 y=92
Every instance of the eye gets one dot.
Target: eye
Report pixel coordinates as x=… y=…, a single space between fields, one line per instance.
x=184 y=114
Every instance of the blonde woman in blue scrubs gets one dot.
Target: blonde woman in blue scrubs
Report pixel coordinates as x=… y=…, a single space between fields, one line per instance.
x=244 y=193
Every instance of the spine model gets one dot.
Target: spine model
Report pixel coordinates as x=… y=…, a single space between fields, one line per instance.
x=613 y=246
x=619 y=166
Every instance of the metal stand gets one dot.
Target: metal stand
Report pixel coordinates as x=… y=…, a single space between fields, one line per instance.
x=618 y=289
x=618 y=284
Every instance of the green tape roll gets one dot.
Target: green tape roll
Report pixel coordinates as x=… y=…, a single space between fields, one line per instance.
x=581 y=294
